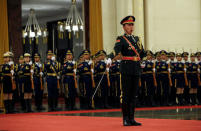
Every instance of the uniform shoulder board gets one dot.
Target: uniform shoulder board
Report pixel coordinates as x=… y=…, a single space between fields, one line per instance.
x=118 y=39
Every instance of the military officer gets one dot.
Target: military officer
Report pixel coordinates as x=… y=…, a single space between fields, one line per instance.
x=163 y=68
x=180 y=77
x=38 y=82
x=69 y=80
x=28 y=71
x=130 y=48
x=52 y=71
x=198 y=54
x=8 y=82
x=193 y=79
x=86 y=70
x=101 y=69
x=186 y=95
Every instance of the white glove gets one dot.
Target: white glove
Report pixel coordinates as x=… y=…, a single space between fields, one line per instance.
x=12 y=72
x=40 y=65
x=32 y=71
x=169 y=70
x=73 y=62
x=198 y=70
x=92 y=70
x=154 y=70
x=41 y=73
x=58 y=77
x=74 y=71
x=185 y=69
x=108 y=69
x=90 y=62
x=30 y=63
x=53 y=58
x=142 y=65
x=11 y=63
x=118 y=60
x=109 y=61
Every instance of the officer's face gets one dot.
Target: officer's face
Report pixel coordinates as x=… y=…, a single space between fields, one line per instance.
x=6 y=59
x=86 y=57
x=21 y=61
x=171 y=57
x=128 y=28
x=69 y=57
x=199 y=58
x=26 y=59
x=49 y=57
x=179 y=58
x=192 y=58
x=37 y=59
x=163 y=57
x=186 y=58
x=149 y=57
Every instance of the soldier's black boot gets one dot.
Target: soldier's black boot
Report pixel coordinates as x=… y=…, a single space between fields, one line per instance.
x=28 y=102
x=50 y=104
x=131 y=116
x=125 y=112
x=6 y=105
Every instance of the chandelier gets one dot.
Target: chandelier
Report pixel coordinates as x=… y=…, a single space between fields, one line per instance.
x=73 y=22
x=33 y=30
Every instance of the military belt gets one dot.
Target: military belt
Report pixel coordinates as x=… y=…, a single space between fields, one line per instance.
x=51 y=74
x=134 y=58
x=193 y=72
x=118 y=73
x=164 y=72
x=27 y=74
x=100 y=73
x=179 y=72
x=7 y=74
x=147 y=72
x=69 y=74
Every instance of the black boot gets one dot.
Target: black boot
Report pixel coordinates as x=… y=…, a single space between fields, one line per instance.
x=50 y=104
x=28 y=103
x=131 y=116
x=125 y=112
x=6 y=105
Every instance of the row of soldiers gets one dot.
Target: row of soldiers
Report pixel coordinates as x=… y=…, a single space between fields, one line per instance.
x=73 y=79
x=170 y=79
x=167 y=78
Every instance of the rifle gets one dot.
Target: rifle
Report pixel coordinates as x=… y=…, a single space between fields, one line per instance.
x=185 y=76
x=74 y=75
x=31 y=77
x=198 y=74
x=169 y=76
x=12 y=79
x=41 y=80
x=154 y=76
x=92 y=77
x=108 y=78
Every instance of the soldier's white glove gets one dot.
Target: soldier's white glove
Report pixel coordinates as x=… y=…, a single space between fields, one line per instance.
x=92 y=70
x=142 y=65
x=109 y=61
x=40 y=65
x=184 y=69
x=74 y=71
x=154 y=70
x=169 y=70
x=198 y=70
x=118 y=60
x=90 y=62
x=108 y=69
x=53 y=58
x=58 y=77
x=12 y=72
x=32 y=71
x=73 y=62
x=11 y=63
x=30 y=63
x=41 y=73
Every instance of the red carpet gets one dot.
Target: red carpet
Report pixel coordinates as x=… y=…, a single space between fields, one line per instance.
x=82 y=123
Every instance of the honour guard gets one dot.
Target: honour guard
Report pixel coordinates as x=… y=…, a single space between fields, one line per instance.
x=20 y=82
x=115 y=81
x=172 y=62
x=163 y=70
x=180 y=78
x=101 y=69
x=8 y=82
x=52 y=71
x=130 y=49
x=38 y=82
x=69 y=80
x=85 y=70
x=149 y=78
x=28 y=71
x=185 y=56
x=193 y=79
x=198 y=54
